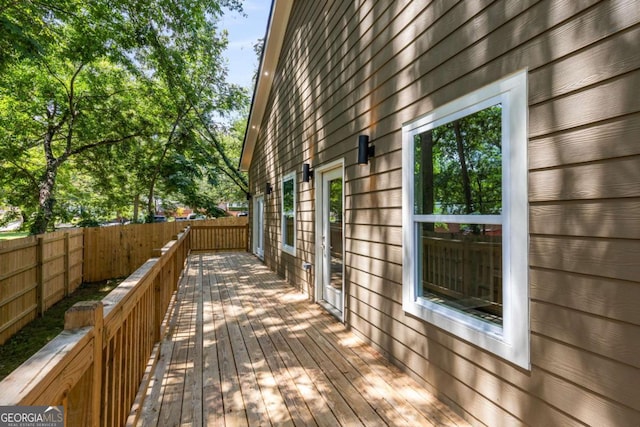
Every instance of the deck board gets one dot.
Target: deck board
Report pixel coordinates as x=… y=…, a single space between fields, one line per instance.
x=246 y=349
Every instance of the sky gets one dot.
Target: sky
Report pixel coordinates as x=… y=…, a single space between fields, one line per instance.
x=244 y=32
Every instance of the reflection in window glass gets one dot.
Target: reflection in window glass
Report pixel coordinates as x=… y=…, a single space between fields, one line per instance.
x=336 y=232
x=288 y=211
x=458 y=171
x=460 y=266
x=458 y=168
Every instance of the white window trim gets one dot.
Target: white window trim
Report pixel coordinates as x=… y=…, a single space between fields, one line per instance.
x=511 y=340
x=291 y=250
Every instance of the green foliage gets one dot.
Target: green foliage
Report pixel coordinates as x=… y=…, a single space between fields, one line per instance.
x=466 y=160
x=109 y=105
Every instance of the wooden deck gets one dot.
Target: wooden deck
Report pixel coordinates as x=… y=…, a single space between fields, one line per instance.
x=244 y=348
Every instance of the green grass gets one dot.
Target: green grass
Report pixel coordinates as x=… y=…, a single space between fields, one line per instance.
x=6 y=235
x=36 y=334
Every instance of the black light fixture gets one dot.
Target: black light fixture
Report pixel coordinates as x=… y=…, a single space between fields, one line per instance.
x=307 y=173
x=365 y=151
x=248 y=195
x=268 y=188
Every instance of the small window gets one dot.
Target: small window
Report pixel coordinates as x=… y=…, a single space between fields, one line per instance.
x=465 y=218
x=289 y=214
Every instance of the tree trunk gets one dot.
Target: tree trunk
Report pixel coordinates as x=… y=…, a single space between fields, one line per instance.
x=151 y=206
x=44 y=215
x=466 y=183
x=46 y=201
x=136 y=207
x=427 y=197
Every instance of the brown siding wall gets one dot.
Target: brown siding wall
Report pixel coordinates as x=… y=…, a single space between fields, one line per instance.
x=352 y=67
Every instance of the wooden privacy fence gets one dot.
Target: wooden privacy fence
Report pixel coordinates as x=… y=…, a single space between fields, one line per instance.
x=35 y=273
x=95 y=367
x=38 y=271
x=117 y=251
x=219 y=237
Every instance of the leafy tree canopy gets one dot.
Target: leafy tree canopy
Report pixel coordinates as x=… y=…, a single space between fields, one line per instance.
x=108 y=105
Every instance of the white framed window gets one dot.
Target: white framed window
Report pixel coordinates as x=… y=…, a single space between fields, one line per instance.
x=465 y=218
x=289 y=201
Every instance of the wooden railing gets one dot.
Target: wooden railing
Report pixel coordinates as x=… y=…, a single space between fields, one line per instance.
x=467 y=270
x=96 y=367
x=35 y=273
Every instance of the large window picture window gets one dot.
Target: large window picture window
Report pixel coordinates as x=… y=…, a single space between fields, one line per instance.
x=289 y=213
x=465 y=218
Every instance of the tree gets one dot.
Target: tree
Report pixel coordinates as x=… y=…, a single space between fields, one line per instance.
x=139 y=79
x=459 y=166
x=73 y=107
x=27 y=28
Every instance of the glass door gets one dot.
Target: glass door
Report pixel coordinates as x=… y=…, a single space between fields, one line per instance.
x=258 y=226
x=332 y=241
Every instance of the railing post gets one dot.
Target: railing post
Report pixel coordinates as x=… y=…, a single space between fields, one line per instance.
x=83 y=314
x=158 y=303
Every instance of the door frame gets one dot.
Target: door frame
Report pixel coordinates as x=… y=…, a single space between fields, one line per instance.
x=319 y=172
x=258 y=223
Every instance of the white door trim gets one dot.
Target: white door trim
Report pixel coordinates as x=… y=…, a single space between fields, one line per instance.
x=258 y=226
x=319 y=172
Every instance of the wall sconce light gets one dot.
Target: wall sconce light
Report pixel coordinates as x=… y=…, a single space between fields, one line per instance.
x=307 y=173
x=248 y=195
x=268 y=189
x=365 y=151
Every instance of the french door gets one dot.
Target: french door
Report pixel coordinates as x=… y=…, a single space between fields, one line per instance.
x=329 y=214
x=258 y=226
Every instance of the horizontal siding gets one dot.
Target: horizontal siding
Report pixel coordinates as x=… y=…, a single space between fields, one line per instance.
x=607 y=337
x=446 y=369
x=372 y=306
x=585 y=293
x=348 y=68
x=611 y=258
x=604 y=140
x=615 y=178
x=611 y=218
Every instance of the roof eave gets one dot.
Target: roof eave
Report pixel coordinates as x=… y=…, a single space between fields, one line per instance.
x=280 y=11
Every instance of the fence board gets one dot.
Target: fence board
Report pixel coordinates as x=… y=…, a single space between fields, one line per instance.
x=219 y=237
x=118 y=251
x=35 y=273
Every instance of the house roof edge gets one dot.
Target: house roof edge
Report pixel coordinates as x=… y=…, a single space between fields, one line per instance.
x=278 y=21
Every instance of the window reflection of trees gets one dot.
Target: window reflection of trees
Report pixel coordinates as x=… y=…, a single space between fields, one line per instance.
x=459 y=166
x=458 y=171
x=288 y=211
